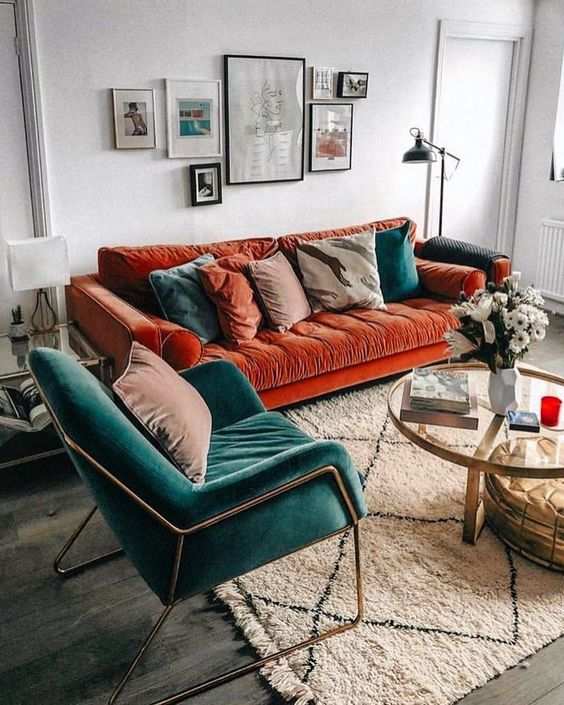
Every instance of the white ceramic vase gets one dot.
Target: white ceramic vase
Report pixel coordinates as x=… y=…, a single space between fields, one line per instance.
x=504 y=389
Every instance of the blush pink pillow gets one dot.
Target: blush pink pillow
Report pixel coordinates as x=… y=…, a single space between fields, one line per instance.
x=230 y=290
x=171 y=410
x=280 y=291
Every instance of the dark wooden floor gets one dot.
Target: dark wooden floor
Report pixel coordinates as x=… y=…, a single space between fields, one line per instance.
x=67 y=642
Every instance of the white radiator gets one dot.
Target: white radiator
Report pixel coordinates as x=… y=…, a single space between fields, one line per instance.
x=550 y=265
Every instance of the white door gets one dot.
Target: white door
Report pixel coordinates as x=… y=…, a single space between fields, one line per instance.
x=16 y=219
x=480 y=76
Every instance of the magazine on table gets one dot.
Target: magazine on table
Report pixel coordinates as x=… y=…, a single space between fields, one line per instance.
x=22 y=409
x=440 y=390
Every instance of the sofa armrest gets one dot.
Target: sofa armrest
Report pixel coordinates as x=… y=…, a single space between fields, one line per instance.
x=495 y=264
x=180 y=347
x=227 y=392
x=109 y=322
x=212 y=498
x=449 y=280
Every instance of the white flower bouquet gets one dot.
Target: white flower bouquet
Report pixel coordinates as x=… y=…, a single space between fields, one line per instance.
x=498 y=324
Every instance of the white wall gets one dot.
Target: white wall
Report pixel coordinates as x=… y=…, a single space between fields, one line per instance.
x=101 y=196
x=538 y=196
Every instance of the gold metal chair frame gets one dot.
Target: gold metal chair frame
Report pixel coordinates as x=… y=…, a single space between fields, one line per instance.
x=181 y=533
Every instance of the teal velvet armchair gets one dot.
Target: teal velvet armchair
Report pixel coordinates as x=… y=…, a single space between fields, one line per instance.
x=270 y=490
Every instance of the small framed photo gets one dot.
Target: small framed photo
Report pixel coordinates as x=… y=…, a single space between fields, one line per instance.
x=205 y=184
x=193 y=110
x=330 y=143
x=322 y=83
x=134 y=118
x=352 y=84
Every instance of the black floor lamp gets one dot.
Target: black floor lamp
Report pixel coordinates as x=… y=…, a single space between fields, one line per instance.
x=425 y=151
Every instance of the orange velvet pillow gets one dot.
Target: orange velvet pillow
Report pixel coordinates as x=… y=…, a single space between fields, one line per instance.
x=231 y=292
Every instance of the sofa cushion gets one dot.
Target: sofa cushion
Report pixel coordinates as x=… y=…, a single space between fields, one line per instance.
x=125 y=270
x=182 y=298
x=168 y=409
x=288 y=243
x=230 y=290
x=341 y=273
x=330 y=341
x=396 y=264
x=279 y=291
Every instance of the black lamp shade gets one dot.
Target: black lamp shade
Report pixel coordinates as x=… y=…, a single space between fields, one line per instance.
x=419 y=153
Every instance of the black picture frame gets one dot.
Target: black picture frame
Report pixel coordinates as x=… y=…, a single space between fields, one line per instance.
x=344 y=88
x=258 y=150
x=329 y=157
x=199 y=183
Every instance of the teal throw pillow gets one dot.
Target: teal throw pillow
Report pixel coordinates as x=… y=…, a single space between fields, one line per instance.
x=396 y=264
x=182 y=298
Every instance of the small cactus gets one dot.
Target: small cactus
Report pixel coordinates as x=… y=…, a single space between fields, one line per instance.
x=17 y=317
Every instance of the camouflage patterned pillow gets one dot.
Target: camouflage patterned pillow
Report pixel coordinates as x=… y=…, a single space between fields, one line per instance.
x=341 y=272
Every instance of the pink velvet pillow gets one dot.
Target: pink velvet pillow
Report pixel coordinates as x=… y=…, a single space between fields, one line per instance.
x=228 y=287
x=171 y=410
x=280 y=291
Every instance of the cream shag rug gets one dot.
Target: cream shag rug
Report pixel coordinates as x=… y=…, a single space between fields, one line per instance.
x=442 y=617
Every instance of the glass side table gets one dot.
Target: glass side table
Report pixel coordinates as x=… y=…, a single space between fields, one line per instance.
x=515 y=479
x=17 y=447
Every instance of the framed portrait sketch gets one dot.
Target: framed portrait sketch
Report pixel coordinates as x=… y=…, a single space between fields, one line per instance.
x=321 y=83
x=134 y=118
x=193 y=110
x=264 y=118
x=205 y=184
x=352 y=84
x=330 y=144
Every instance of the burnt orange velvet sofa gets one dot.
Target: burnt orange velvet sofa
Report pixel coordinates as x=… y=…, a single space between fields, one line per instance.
x=326 y=352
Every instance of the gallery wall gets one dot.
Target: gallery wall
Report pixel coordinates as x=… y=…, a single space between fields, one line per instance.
x=538 y=196
x=101 y=196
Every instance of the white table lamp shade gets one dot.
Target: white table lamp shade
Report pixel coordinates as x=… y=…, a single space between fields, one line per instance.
x=38 y=263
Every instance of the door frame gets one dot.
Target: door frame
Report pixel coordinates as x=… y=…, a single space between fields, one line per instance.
x=26 y=49
x=27 y=53
x=521 y=38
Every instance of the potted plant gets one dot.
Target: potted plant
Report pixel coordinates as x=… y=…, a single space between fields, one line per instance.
x=497 y=326
x=17 y=329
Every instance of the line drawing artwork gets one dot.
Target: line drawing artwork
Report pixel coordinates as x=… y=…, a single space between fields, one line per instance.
x=267 y=104
x=264 y=118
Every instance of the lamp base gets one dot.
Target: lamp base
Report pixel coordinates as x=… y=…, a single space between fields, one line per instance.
x=43 y=319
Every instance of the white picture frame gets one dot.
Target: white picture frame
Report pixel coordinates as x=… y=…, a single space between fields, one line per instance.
x=193 y=115
x=322 y=83
x=134 y=118
x=330 y=143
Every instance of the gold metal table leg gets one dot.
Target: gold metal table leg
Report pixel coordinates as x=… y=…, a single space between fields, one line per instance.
x=473 y=506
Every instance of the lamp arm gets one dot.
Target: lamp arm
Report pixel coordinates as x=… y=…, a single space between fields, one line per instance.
x=441 y=150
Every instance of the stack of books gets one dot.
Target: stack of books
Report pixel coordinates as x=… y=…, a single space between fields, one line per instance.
x=440 y=398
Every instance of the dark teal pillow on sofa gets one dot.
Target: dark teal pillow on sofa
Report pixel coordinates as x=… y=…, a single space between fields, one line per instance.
x=396 y=264
x=182 y=298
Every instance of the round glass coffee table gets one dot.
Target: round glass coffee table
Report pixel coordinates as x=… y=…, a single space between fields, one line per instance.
x=523 y=499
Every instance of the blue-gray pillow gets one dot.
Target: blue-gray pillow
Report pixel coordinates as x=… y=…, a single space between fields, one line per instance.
x=182 y=298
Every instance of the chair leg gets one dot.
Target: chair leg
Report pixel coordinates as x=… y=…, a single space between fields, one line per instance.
x=70 y=570
x=254 y=665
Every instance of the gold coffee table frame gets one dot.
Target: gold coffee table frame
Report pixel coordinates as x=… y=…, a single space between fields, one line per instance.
x=478 y=462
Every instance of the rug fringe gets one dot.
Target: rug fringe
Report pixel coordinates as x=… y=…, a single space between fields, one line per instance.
x=279 y=673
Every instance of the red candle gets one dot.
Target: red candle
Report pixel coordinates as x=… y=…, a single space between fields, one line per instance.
x=550 y=410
